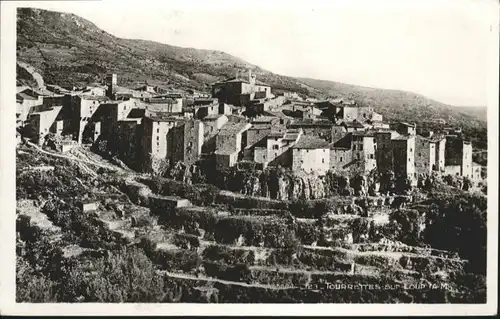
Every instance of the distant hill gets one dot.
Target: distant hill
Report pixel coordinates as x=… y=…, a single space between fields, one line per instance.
x=67 y=49
x=480 y=112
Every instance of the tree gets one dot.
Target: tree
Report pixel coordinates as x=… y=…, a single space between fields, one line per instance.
x=409 y=222
x=125 y=276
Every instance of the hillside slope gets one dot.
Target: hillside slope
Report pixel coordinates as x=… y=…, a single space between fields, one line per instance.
x=69 y=50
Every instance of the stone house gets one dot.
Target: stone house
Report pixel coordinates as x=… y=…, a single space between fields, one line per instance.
x=44 y=121
x=154 y=140
x=403 y=156
x=158 y=202
x=355 y=150
x=404 y=128
x=239 y=91
x=323 y=129
x=187 y=141
x=212 y=125
x=476 y=172
x=459 y=152
x=311 y=155
x=425 y=155
x=26 y=101
x=230 y=141
x=274 y=148
x=89 y=206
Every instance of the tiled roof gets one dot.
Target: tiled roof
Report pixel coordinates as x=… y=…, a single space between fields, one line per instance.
x=212 y=117
x=136 y=113
x=260 y=127
x=311 y=123
x=311 y=142
x=264 y=119
x=225 y=151
x=95 y=98
x=354 y=124
x=233 y=128
x=344 y=143
x=401 y=138
x=24 y=96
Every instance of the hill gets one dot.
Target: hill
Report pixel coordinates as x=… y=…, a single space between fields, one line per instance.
x=69 y=50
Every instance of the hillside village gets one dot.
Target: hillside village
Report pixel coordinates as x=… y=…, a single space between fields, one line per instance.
x=240 y=193
x=241 y=121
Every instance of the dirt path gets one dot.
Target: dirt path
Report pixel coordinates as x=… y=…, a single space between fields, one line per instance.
x=36 y=76
x=226 y=282
x=74 y=158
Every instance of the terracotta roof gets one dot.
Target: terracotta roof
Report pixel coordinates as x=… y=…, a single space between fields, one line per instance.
x=311 y=142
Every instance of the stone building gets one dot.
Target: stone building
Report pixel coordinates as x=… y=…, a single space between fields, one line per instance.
x=43 y=122
x=440 y=152
x=187 y=140
x=77 y=111
x=274 y=148
x=239 y=91
x=230 y=141
x=154 y=139
x=476 y=172
x=404 y=128
x=356 y=150
x=323 y=129
x=459 y=152
x=26 y=100
x=212 y=124
x=311 y=155
x=343 y=110
x=425 y=155
x=403 y=156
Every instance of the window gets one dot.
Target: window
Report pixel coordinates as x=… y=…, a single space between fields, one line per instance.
x=419 y=154
x=409 y=159
x=354 y=147
x=301 y=161
x=158 y=130
x=275 y=147
x=323 y=160
x=340 y=159
x=411 y=149
x=361 y=147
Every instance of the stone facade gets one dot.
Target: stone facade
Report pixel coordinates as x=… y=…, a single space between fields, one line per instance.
x=404 y=156
x=425 y=155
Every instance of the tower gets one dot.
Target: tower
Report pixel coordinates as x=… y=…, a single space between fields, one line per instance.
x=111 y=81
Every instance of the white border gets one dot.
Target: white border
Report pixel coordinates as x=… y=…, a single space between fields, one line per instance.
x=487 y=9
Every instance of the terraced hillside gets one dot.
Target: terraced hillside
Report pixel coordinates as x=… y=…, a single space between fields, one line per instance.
x=137 y=246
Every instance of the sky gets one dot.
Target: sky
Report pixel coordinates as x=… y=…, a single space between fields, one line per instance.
x=441 y=49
